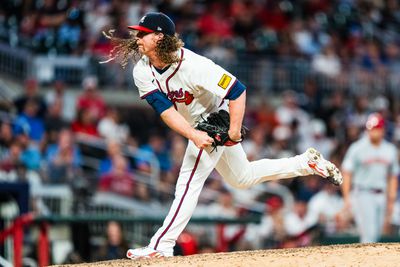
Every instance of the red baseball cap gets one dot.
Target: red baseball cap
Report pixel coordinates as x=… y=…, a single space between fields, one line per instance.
x=155 y=22
x=375 y=120
x=274 y=202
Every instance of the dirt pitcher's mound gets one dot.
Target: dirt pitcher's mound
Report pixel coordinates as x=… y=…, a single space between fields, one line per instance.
x=384 y=254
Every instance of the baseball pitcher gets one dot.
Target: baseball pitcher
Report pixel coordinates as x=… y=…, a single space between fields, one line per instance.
x=205 y=103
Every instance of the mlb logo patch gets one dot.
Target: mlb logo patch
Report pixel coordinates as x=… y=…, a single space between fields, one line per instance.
x=224 y=81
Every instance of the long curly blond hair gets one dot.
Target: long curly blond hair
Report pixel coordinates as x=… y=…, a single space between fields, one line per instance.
x=125 y=50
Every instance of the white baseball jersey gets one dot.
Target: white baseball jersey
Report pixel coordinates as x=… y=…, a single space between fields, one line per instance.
x=195 y=85
x=370 y=165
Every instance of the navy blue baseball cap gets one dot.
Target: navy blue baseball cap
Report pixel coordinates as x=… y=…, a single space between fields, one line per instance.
x=155 y=22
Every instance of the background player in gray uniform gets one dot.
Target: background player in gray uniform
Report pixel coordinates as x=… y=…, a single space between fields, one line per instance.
x=370 y=170
x=182 y=86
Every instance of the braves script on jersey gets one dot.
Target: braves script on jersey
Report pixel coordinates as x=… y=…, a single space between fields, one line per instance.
x=195 y=85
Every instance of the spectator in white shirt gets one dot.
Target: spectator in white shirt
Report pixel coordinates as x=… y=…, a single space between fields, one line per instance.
x=327 y=63
x=111 y=129
x=295 y=221
x=317 y=138
x=324 y=208
x=66 y=99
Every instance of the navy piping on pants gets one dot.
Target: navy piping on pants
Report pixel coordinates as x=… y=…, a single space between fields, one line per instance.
x=183 y=197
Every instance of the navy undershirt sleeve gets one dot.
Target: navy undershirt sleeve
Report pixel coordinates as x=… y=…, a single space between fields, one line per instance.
x=158 y=101
x=236 y=90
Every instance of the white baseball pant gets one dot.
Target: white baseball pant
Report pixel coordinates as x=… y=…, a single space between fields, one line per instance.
x=369 y=213
x=232 y=164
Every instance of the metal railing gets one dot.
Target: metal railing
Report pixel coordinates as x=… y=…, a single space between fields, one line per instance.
x=92 y=162
x=15 y=62
x=20 y=64
x=70 y=69
x=58 y=199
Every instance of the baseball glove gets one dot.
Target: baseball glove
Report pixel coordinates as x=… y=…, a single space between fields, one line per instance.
x=217 y=127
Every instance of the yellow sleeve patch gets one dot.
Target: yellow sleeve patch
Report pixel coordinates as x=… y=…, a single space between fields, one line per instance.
x=224 y=82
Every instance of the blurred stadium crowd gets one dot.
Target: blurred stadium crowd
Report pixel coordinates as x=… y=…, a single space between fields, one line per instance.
x=219 y=28
x=352 y=50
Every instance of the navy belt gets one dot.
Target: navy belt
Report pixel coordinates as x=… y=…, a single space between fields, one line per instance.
x=376 y=191
x=371 y=190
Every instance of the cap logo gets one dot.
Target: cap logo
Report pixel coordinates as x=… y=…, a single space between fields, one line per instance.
x=142 y=19
x=159 y=28
x=372 y=122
